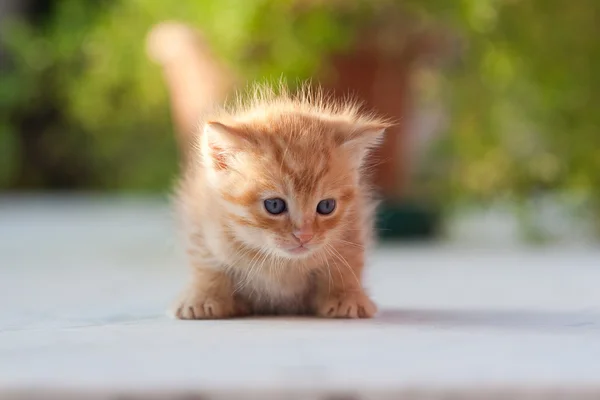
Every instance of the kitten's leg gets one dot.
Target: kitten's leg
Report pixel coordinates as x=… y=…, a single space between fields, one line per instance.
x=340 y=293
x=209 y=295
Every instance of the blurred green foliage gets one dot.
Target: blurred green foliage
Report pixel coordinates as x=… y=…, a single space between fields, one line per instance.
x=523 y=103
x=521 y=97
x=110 y=125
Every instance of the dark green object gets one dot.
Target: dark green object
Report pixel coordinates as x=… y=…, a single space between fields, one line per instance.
x=406 y=221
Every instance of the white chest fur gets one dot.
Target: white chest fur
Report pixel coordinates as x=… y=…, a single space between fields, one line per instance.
x=274 y=290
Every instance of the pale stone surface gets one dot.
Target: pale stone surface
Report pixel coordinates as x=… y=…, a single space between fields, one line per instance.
x=85 y=283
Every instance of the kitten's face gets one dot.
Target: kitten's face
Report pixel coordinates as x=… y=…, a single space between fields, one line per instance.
x=287 y=196
x=292 y=209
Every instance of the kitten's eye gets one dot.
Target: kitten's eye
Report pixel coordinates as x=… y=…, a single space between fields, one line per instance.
x=326 y=206
x=275 y=206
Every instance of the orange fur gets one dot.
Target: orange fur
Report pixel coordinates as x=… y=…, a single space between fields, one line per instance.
x=302 y=148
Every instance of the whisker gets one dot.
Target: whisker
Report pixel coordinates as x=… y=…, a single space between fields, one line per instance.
x=253 y=263
x=357 y=245
x=278 y=267
x=260 y=268
x=341 y=258
x=328 y=273
x=328 y=248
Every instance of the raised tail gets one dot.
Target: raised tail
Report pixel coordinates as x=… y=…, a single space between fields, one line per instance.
x=195 y=78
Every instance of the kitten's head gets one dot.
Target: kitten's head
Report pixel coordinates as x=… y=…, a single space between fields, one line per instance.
x=288 y=171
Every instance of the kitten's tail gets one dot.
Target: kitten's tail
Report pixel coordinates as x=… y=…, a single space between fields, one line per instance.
x=195 y=78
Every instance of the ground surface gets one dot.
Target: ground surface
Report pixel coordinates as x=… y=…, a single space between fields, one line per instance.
x=84 y=285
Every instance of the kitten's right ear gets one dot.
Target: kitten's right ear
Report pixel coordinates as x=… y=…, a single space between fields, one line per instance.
x=362 y=140
x=220 y=144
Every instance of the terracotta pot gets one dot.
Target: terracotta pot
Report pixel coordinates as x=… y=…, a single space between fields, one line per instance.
x=383 y=84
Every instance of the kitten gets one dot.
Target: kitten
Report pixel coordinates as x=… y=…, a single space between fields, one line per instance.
x=276 y=208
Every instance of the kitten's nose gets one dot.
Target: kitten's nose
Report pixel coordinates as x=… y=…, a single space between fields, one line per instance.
x=303 y=236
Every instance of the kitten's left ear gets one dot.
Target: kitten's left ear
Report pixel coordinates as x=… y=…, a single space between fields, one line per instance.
x=221 y=143
x=362 y=140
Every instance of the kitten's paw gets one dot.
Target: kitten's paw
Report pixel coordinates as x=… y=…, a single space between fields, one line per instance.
x=347 y=305
x=202 y=306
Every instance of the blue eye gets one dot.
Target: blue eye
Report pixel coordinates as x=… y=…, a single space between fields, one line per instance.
x=326 y=206
x=275 y=206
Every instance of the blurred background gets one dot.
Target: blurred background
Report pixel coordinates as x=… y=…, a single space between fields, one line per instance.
x=496 y=99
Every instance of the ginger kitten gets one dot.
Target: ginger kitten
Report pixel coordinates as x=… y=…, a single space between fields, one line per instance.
x=276 y=209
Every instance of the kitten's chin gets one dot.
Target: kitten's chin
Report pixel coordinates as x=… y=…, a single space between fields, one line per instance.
x=297 y=252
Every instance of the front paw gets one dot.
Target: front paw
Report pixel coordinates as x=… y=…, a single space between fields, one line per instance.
x=198 y=305
x=347 y=305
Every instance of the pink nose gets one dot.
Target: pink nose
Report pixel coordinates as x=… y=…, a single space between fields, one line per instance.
x=303 y=236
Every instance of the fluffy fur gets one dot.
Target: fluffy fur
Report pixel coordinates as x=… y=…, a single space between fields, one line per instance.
x=302 y=148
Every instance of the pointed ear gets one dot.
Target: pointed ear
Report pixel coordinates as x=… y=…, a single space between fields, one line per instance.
x=361 y=141
x=220 y=144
